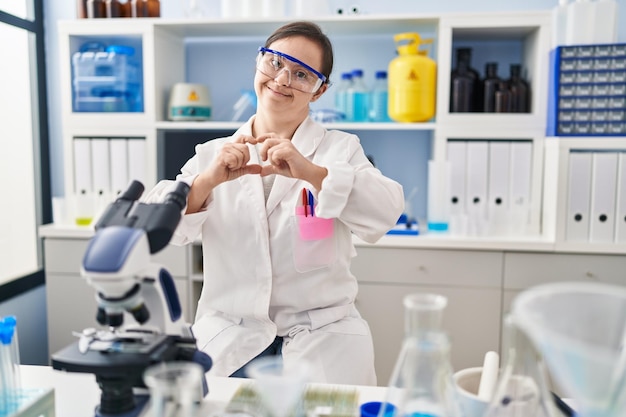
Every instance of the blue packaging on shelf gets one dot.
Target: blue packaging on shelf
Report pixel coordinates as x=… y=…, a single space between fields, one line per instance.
x=587 y=94
x=108 y=80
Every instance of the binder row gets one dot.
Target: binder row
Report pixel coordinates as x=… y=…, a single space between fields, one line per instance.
x=596 y=202
x=490 y=187
x=104 y=167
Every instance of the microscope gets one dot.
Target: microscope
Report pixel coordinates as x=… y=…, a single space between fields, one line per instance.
x=129 y=287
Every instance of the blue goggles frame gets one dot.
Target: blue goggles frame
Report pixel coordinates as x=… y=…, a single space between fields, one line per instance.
x=295 y=60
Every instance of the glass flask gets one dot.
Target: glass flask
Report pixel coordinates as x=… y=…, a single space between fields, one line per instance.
x=421 y=384
x=522 y=389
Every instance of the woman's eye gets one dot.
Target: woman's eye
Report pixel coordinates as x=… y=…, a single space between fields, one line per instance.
x=302 y=75
x=275 y=63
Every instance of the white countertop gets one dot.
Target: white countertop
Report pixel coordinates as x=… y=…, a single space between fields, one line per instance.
x=434 y=241
x=77 y=394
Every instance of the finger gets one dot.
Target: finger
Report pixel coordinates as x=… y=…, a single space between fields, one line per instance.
x=267 y=170
x=245 y=139
x=264 y=136
x=252 y=169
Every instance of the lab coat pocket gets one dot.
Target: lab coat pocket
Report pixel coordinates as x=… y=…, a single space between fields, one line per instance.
x=314 y=243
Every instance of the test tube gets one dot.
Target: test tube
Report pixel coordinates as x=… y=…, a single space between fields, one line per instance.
x=15 y=351
x=9 y=366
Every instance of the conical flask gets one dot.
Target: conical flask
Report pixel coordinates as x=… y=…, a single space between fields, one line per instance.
x=522 y=389
x=421 y=384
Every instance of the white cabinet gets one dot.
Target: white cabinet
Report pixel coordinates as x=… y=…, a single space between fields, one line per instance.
x=470 y=279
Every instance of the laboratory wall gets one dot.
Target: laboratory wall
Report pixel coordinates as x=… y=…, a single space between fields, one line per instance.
x=30 y=307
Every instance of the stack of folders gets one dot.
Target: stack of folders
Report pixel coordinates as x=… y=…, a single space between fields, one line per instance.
x=490 y=187
x=103 y=167
x=596 y=197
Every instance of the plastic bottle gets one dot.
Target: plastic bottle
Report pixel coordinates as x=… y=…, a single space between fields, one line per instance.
x=605 y=27
x=464 y=84
x=520 y=90
x=559 y=23
x=421 y=383
x=491 y=84
x=412 y=80
x=379 y=97
x=357 y=98
x=580 y=22
x=341 y=99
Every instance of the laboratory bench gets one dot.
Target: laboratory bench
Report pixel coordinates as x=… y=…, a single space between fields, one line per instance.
x=77 y=394
x=480 y=277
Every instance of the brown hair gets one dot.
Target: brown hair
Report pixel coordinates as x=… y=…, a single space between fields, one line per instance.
x=312 y=32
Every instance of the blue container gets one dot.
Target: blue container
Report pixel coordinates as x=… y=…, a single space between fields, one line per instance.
x=107 y=81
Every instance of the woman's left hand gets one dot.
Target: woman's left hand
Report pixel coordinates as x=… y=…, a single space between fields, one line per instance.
x=284 y=159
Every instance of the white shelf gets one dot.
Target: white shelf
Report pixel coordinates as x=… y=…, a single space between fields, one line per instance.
x=209 y=125
x=164 y=44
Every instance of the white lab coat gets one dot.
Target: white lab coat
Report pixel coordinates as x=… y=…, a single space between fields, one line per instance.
x=255 y=284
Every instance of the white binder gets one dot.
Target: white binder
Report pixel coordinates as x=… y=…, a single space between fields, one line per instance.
x=620 y=208
x=137 y=160
x=101 y=166
x=82 y=166
x=520 y=186
x=476 y=186
x=498 y=187
x=456 y=157
x=603 y=196
x=578 y=197
x=119 y=165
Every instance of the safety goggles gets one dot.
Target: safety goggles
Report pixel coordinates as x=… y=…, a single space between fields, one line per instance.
x=301 y=76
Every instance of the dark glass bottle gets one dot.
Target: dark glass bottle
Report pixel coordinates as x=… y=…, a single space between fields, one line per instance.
x=462 y=90
x=503 y=98
x=96 y=9
x=146 y=8
x=520 y=90
x=118 y=8
x=490 y=85
x=464 y=70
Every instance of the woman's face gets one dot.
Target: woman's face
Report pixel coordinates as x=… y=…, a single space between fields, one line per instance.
x=275 y=95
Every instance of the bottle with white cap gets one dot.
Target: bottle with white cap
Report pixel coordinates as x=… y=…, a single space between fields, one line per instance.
x=580 y=22
x=605 y=27
x=559 y=23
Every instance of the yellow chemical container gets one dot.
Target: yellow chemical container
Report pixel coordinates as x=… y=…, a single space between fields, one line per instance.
x=412 y=80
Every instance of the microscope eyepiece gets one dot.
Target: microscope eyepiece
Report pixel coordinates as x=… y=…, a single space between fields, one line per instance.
x=133 y=192
x=178 y=196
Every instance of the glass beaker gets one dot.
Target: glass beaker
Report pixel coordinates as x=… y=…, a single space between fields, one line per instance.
x=174 y=385
x=421 y=383
x=522 y=389
x=280 y=385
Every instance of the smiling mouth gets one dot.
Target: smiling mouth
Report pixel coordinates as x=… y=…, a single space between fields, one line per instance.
x=277 y=91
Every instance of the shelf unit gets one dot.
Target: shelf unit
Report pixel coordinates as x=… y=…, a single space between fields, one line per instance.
x=193 y=51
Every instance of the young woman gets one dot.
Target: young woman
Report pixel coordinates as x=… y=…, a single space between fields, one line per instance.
x=276 y=206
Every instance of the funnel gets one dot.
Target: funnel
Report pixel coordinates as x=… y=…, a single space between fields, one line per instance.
x=580 y=329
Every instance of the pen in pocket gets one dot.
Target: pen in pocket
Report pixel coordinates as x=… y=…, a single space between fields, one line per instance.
x=311 y=204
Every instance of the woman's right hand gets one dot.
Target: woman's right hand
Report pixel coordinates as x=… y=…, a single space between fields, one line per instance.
x=230 y=163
